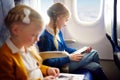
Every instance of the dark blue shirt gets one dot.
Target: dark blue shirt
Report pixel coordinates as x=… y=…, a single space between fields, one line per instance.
x=46 y=43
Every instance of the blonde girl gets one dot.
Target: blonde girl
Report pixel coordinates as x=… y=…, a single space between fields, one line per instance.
x=19 y=59
x=52 y=40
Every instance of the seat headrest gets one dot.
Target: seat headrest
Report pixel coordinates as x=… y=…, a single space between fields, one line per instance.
x=5 y=6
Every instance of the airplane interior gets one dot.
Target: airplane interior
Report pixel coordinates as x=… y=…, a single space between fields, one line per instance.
x=94 y=23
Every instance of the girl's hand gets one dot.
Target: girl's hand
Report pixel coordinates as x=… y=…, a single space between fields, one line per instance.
x=75 y=57
x=88 y=50
x=53 y=71
x=49 y=78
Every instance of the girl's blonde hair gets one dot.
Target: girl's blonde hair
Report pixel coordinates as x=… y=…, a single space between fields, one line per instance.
x=17 y=15
x=36 y=55
x=55 y=11
x=58 y=9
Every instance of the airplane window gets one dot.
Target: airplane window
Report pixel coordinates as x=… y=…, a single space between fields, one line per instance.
x=88 y=10
x=45 y=4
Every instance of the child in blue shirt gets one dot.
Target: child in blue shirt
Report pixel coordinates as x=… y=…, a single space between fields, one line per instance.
x=52 y=40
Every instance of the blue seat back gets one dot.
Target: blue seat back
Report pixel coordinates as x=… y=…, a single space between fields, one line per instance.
x=5 y=6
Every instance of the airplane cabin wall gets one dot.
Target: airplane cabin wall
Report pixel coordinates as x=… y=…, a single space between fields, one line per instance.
x=88 y=34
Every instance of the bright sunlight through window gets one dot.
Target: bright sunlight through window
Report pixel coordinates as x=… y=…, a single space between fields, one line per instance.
x=45 y=4
x=88 y=10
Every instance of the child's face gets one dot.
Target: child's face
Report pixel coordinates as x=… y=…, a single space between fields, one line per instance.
x=62 y=21
x=29 y=34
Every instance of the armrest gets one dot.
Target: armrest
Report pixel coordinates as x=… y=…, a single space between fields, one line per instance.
x=69 y=41
x=53 y=54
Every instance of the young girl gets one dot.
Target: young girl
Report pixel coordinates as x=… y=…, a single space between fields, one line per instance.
x=19 y=59
x=52 y=40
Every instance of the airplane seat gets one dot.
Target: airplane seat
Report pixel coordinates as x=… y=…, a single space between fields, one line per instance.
x=116 y=52
x=5 y=6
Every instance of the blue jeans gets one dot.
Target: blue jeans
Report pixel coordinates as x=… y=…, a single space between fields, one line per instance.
x=89 y=61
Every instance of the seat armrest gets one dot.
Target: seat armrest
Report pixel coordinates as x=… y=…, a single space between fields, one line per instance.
x=53 y=54
x=69 y=41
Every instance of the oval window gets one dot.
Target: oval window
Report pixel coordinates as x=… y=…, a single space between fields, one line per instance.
x=88 y=10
